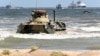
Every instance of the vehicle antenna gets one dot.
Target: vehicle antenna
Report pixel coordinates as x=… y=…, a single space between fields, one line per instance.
x=36 y=4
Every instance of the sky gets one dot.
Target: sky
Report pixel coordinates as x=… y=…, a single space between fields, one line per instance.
x=46 y=3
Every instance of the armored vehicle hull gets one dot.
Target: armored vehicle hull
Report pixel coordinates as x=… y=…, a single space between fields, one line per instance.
x=41 y=24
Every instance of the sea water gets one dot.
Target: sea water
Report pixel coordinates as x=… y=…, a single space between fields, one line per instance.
x=83 y=30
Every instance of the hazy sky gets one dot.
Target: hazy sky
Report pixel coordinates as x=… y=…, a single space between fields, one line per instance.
x=46 y=3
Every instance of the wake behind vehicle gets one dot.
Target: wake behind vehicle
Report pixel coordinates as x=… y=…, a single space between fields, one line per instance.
x=40 y=23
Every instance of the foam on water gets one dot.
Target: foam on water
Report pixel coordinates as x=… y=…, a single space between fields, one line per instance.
x=91 y=29
x=83 y=32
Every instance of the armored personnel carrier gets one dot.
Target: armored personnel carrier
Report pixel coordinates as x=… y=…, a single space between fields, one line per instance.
x=40 y=23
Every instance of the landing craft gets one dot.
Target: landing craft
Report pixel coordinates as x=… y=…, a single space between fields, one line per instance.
x=86 y=11
x=40 y=23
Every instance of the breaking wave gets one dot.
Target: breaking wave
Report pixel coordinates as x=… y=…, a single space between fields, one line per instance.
x=74 y=32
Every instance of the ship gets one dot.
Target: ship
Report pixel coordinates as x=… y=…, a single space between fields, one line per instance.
x=11 y=7
x=78 y=4
x=72 y=5
x=81 y=4
x=40 y=23
x=59 y=6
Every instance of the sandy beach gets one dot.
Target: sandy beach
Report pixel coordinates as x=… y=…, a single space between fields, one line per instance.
x=41 y=52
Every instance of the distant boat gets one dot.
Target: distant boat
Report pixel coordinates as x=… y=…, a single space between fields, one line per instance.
x=81 y=4
x=59 y=6
x=11 y=7
x=8 y=6
x=78 y=4
x=72 y=5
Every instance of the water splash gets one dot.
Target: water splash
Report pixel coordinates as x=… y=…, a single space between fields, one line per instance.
x=69 y=34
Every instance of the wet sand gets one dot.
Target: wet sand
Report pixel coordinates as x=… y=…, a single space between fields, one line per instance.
x=41 y=52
